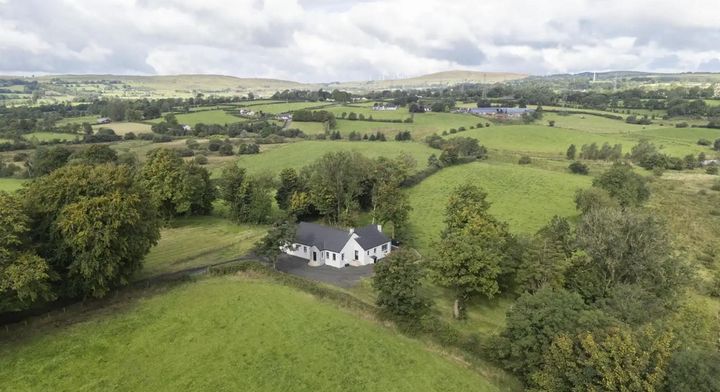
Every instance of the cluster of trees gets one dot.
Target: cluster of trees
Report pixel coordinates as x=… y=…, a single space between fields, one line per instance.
x=341 y=184
x=315 y=116
x=600 y=306
x=644 y=120
x=313 y=96
x=646 y=155
x=79 y=231
x=457 y=149
x=377 y=136
x=591 y=152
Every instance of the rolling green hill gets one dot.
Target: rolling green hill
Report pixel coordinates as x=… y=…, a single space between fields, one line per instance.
x=230 y=333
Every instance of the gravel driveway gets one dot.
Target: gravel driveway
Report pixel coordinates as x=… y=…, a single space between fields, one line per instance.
x=342 y=277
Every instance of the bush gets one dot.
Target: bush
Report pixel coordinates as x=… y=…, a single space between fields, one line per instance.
x=214 y=145
x=712 y=169
x=130 y=136
x=186 y=152
x=226 y=149
x=579 y=168
x=524 y=160
x=201 y=160
x=704 y=142
x=681 y=125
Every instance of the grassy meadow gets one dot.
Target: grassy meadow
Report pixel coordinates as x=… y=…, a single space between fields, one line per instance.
x=299 y=154
x=11 y=184
x=525 y=197
x=197 y=241
x=50 y=136
x=228 y=333
x=205 y=117
x=122 y=128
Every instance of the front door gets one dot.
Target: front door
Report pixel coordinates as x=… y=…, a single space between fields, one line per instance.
x=314 y=256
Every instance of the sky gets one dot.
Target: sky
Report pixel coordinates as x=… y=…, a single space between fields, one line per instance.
x=328 y=40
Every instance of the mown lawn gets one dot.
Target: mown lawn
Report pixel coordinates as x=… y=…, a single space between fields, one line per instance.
x=50 y=136
x=523 y=196
x=302 y=153
x=233 y=334
x=122 y=128
x=11 y=184
x=196 y=241
x=205 y=117
x=554 y=141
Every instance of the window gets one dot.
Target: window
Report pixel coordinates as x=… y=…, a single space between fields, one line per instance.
x=327 y=255
x=357 y=255
x=368 y=253
x=342 y=256
x=384 y=247
x=305 y=249
x=374 y=250
x=333 y=256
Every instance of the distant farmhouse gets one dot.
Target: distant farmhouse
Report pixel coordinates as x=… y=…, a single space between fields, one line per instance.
x=104 y=120
x=186 y=128
x=384 y=107
x=339 y=248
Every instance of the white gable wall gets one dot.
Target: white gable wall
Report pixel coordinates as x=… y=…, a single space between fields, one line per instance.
x=345 y=256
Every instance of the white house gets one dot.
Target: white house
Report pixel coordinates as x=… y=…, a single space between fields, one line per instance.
x=339 y=248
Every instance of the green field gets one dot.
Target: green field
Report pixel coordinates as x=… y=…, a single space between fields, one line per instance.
x=78 y=120
x=309 y=128
x=284 y=107
x=303 y=153
x=524 y=197
x=205 y=117
x=399 y=114
x=542 y=139
x=122 y=128
x=11 y=184
x=423 y=125
x=50 y=136
x=229 y=333
x=197 y=241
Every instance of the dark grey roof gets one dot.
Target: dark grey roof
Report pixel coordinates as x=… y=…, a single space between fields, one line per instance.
x=322 y=237
x=334 y=239
x=370 y=237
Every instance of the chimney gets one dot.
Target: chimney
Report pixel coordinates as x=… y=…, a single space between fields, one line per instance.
x=379 y=227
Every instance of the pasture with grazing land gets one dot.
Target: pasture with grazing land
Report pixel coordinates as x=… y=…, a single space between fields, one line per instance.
x=524 y=197
x=205 y=117
x=234 y=332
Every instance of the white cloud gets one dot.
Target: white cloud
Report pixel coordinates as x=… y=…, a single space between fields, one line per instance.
x=326 y=40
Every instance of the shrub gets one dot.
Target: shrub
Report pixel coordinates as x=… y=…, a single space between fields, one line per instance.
x=225 y=149
x=524 y=160
x=201 y=160
x=712 y=169
x=681 y=125
x=579 y=168
x=704 y=142
x=186 y=152
x=130 y=136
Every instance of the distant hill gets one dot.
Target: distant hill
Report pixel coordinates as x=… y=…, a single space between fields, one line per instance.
x=438 y=79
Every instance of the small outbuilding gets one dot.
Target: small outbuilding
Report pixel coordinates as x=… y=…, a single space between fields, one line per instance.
x=338 y=248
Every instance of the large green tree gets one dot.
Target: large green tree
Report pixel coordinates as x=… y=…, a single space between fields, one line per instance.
x=177 y=187
x=24 y=276
x=615 y=359
x=625 y=247
x=93 y=224
x=335 y=183
x=279 y=237
x=289 y=185
x=397 y=281
x=470 y=253
x=535 y=320
x=247 y=196
x=624 y=185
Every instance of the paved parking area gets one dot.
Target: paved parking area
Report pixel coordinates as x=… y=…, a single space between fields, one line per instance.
x=342 y=277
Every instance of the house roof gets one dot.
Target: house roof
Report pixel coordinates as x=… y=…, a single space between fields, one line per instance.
x=370 y=237
x=322 y=237
x=334 y=239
